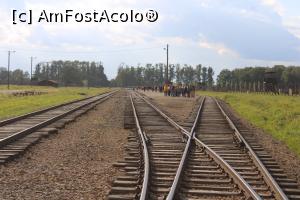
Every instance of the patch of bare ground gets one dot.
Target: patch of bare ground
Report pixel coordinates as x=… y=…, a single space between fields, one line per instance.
x=76 y=163
x=179 y=108
x=287 y=160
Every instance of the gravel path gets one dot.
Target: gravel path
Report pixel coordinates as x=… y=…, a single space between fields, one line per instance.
x=74 y=164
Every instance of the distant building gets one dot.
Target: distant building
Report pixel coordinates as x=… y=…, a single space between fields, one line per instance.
x=51 y=83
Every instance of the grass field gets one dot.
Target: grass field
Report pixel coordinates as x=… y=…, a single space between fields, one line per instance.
x=277 y=115
x=13 y=106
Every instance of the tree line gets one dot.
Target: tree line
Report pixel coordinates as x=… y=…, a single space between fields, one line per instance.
x=254 y=78
x=17 y=77
x=65 y=73
x=83 y=73
x=72 y=73
x=155 y=75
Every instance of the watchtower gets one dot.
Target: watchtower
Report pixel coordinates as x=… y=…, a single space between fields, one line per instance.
x=270 y=81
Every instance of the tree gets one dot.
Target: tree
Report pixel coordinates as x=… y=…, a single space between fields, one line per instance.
x=188 y=74
x=171 y=72
x=210 y=79
x=204 y=76
x=198 y=73
x=17 y=77
x=179 y=74
x=224 y=77
x=291 y=76
x=153 y=75
x=3 y=75
x=72 y=73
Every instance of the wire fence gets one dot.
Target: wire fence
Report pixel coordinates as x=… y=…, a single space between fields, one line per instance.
x=256 y=87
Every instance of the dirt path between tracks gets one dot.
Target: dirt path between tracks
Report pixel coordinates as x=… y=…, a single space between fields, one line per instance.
x=178 y=107
x=74 y=164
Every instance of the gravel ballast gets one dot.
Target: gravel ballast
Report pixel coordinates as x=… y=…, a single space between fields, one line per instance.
x=76 y=163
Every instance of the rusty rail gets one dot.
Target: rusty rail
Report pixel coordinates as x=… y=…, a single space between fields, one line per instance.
x=144 y=191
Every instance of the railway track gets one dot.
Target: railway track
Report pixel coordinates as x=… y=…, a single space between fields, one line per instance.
x=213 y=130
x=210 y=161
x=165 y=150
x=165 y=143
x=19 y=133
x=162 y=144
x=288 y=184
x=216 y=130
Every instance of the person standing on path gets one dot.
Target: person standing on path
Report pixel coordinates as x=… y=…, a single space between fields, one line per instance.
x=165 y=89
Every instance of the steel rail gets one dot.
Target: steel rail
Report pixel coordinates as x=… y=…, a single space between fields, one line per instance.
x=14 y=119
x=9 y=139
x=177 y=178
x=240 y=180
x=278 y=193
x=144 y=191
x=197 y=117
x=228 y=169
x=178 y=175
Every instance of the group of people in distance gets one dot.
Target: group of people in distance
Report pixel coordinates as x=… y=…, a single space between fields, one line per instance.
x=178 y=90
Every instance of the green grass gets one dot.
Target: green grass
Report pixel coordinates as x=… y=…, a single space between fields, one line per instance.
x=276 y=115
x=11 y=106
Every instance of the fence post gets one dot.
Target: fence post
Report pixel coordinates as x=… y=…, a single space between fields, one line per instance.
x=290 y=92
x=240 y=83
x=249 y=86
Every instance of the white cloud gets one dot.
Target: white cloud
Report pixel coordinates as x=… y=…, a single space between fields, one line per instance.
x=275 y=5
x=254 y=15
x=175 y=40
x=291 y=23
x=204 y=3
x=219 y=48
x=12 y=34
x=207 y=3
x=76 y=47
x=117 y=33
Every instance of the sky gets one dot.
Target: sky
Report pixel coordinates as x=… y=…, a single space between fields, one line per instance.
x=217 y=33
